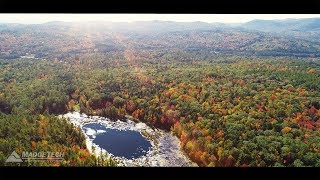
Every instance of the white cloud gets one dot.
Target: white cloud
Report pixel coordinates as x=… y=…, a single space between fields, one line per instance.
x=224 y=18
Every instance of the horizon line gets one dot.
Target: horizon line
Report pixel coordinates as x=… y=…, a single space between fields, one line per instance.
x=110 y=21
x=42 y=18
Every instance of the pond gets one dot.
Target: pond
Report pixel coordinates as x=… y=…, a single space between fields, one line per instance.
x=129 y=144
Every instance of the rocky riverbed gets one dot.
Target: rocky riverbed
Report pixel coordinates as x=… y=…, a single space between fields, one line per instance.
x=165 y=147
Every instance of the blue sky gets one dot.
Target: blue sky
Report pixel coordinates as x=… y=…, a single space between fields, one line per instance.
x=224 y=18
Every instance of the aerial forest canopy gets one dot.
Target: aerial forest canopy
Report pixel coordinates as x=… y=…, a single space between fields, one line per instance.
x=227 y=105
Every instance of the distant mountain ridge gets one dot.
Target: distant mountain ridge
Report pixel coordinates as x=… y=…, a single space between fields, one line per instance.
x=306 y=24
x=289 y=37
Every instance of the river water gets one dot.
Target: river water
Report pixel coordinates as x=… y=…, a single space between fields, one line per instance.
x=130 y=143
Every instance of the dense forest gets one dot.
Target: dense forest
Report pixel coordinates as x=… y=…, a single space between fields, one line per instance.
x=226 y=109
x=29 y=102
x=227 y=112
